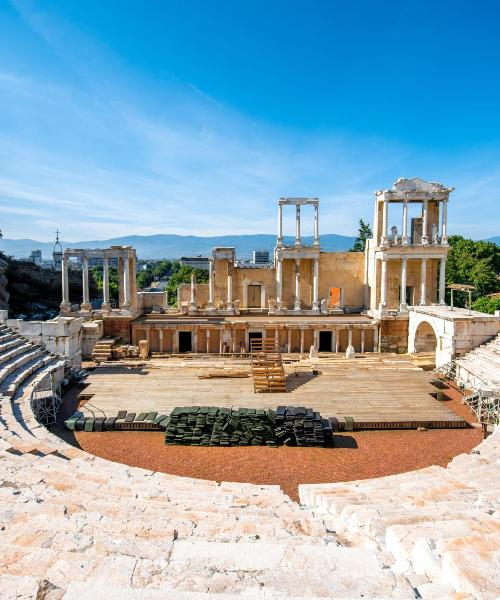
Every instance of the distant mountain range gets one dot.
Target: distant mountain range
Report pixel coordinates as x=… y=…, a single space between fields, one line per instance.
x=175 y=246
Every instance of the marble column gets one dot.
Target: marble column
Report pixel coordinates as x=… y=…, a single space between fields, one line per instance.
x=280 y=224
x=211 y=283
x=349 y=337
x=315 y=304
x=221 y=344
x=85 y=306
x=375 y=338
x=425 y=222
x=279 y=280
x=160 y=339
x=334 y=341
x=383 y=286
x=289 y=341
x=229 y=285
x=384 y=239
x=277 y=338
x=337 y=340
x=194 y=335
x=402 y=298
x=423 y=282
x=175 y=339
x=126 y=284
x=296 y=305
x=193 y=292
x=362 y=341
x=301 y=341
x=297 y=225
x=316 y=224
x=404 y=237
x=316 y=339
x=208 y=340
x=442 y=281
x=65 y=303
x=106 y=306
x=444 y=223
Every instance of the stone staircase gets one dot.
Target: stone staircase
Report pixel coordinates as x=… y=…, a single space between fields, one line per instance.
x=103 y=350
x=480 y=369
x=267 y=366
x=77 y=527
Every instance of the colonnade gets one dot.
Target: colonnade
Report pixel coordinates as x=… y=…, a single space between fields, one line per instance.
x=423 y=295
x=229 y=340
x=124 y=255
x=440 y=237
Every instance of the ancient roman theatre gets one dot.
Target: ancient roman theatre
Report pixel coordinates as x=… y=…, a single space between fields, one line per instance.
x=322 y=427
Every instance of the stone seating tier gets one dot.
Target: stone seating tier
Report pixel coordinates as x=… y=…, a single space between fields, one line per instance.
x=481 y=367
x=77 y=527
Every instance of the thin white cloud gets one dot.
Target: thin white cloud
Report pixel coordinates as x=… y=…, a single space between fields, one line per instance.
x=116 y=155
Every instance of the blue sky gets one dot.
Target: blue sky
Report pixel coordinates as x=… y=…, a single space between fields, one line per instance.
x=193 y=117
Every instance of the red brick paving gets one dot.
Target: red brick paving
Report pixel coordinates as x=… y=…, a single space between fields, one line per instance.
x=359 y=455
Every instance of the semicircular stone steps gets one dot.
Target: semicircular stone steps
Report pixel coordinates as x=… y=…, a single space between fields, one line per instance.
x=74 y=526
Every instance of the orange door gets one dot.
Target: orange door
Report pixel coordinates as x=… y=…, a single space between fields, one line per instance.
x=334 y=297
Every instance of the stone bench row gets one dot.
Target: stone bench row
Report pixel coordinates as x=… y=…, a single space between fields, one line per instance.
x=442 y=524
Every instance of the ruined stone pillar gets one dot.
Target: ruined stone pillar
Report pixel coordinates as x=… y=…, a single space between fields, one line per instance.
x=297 y=225
x=316 y=224
x=280 y=224
x=349 y=337
x=160 y=339
x=279 y=280
x=425 y=219
x=211 y=283
x=106 y=306
x=85 y=306
x=193 y=292
x=65 y=304
x=208 y=341
x=195 y=339
x=332 y=343
x=404 y=236
x=296 y=305
x=289 y=341
x=402 y=299
x=444 y=224
x=229 y=285
x=126 y=284
x=442 y=281
x=384 y=239
x=383 y=286
x=375 y=338
x=175 y=339
x=337 y=340
x=362 y=341
x=301 y=342
x=315 y=304
x=423 y=282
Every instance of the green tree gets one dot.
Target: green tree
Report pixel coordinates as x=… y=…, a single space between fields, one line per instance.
x=364 y=233
x=183 y=275
x=473 y=263
x=162 y=269
x=96 y=274
x=486 y=304
x=144 y=278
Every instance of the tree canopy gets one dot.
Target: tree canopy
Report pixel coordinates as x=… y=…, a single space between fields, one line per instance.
x=473 y=263
x=364 y=233
x=183 y=275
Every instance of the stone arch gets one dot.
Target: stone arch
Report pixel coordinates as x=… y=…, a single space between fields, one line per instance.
x=426 y=337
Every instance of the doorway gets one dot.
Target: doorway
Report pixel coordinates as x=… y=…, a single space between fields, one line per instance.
x=335 y=297
x=253 y=335
x=254 y=296
x=325 y=341
x=185 y=342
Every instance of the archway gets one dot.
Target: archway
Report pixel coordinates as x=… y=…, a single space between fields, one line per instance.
x=425 y=338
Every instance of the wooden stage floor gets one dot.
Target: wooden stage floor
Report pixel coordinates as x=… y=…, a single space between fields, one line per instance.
x=376 y=390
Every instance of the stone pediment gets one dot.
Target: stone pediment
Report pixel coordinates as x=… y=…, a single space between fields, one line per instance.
x=415 y=184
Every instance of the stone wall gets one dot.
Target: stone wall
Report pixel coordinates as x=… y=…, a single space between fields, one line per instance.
x=92 y=332
x=394 y=335
x=118 y=327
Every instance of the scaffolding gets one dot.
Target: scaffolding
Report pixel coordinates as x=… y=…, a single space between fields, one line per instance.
x=485 y=404
x=46 y=400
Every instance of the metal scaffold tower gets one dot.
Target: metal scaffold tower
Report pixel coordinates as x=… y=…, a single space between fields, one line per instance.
x=46 y=400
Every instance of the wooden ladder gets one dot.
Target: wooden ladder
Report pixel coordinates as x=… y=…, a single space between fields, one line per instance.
x=267 y=366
